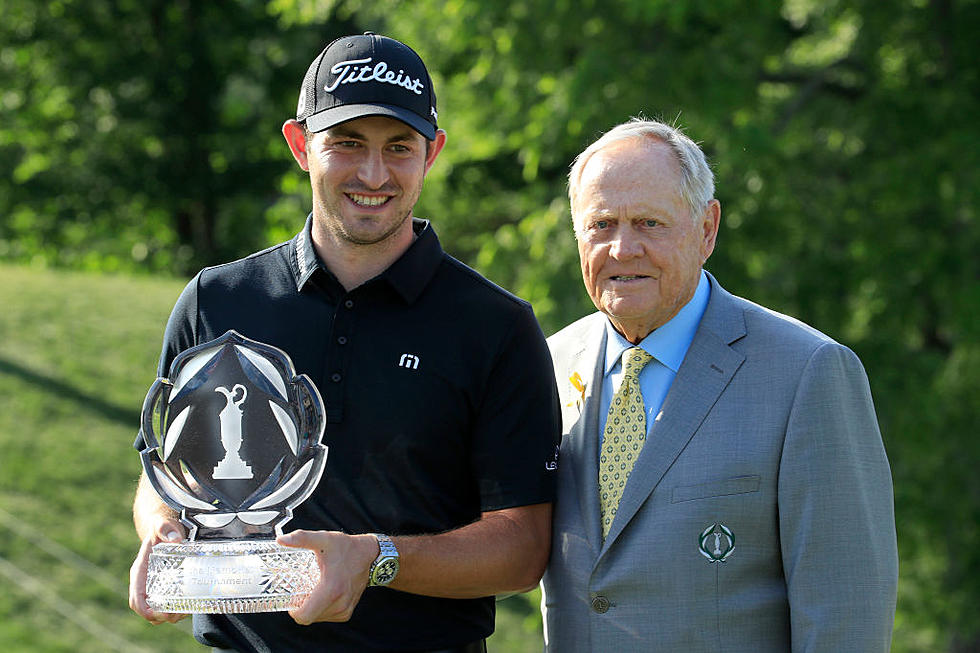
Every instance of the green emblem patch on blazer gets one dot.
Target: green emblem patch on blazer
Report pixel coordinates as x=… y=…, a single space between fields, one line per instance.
x=716 y=542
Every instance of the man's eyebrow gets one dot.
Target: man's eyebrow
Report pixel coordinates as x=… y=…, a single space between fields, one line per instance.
x=401 y=137
x=342 y=131
x=600 y=212
x=636 y=212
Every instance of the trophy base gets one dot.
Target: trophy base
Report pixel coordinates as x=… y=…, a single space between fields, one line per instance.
x=229 y=577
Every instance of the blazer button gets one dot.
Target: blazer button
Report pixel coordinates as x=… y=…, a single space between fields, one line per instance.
x=600 y=604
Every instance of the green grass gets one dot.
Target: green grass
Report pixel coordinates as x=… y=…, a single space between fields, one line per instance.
x=77 y=354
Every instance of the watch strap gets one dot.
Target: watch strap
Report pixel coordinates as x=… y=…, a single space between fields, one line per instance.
x=386 y=551
x=386 y=547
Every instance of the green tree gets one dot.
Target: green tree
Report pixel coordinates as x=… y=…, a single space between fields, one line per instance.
x=844 y=142
x=144 y=134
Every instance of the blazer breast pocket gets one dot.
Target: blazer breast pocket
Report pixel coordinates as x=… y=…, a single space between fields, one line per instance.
x=720 y=488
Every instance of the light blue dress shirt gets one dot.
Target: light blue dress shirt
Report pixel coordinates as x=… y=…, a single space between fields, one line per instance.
x=668 y=344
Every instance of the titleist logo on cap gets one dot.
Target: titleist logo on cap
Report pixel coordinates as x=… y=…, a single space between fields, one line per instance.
x=352 y=72
x=398 y=85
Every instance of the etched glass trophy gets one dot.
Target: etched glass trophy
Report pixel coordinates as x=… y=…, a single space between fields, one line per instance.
x=233 y=443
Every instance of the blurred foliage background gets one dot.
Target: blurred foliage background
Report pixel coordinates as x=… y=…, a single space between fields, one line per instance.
x=141 y=138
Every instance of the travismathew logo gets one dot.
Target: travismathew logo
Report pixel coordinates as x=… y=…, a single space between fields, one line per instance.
x=352 y=72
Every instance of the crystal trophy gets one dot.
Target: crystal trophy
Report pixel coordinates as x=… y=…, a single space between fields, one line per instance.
x=233 y=443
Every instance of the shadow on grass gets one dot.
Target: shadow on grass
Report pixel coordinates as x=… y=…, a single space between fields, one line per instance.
x=87 y=401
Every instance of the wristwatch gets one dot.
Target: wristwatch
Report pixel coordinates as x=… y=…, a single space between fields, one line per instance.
x=385 y=566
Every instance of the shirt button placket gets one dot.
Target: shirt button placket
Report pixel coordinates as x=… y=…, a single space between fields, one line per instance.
x=342 y=324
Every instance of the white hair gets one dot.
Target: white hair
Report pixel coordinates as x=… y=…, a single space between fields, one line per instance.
x=697 y=185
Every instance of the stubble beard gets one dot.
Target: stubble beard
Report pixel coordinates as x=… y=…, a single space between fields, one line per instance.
x=332 y=223
x=342 y=233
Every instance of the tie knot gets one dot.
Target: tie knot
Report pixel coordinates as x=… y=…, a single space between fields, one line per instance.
x=634 y=360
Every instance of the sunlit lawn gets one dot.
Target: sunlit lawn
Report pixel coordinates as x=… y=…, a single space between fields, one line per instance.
x=77 y=353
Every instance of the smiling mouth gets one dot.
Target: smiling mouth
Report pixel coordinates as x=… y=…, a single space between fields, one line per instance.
x=368 y=200
x=628 y=277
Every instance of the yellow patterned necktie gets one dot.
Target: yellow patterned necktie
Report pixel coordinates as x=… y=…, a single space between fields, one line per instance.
x=626 y=431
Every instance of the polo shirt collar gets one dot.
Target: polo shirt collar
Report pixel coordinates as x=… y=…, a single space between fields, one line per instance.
x=669 y=342
x=407 y=276
x=305 y=261
x=410 y=274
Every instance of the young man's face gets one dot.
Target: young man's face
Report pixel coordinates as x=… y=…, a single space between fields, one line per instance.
x=367 y=176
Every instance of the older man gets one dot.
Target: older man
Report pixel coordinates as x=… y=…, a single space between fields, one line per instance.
x=722 y=479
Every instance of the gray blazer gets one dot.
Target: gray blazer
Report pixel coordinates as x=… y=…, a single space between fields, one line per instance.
x=759 y=516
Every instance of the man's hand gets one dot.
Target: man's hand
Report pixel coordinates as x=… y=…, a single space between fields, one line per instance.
x=164 y=529
x=344 y=564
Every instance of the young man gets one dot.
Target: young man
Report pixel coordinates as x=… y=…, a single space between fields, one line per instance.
x=447 y=457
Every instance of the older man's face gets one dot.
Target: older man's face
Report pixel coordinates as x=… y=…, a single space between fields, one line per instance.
x=640 y=248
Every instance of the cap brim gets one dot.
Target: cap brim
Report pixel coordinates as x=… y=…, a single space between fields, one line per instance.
x=329 y=117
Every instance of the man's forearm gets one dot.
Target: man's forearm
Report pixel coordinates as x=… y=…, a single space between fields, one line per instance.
x=505 y=551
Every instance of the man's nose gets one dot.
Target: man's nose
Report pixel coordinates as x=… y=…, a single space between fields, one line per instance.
x=373 y=172
x=624 y=244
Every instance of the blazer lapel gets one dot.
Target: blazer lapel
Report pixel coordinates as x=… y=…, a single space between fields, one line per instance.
x=583 y=449
x=707 y=369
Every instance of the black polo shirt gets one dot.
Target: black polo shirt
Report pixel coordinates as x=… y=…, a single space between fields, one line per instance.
x=441 y=404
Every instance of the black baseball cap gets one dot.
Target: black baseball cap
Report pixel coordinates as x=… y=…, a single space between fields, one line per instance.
x=367 y=75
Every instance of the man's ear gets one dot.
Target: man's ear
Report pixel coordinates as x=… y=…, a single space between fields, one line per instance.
x=295 y=137
x=434 y=148
x=710 y=222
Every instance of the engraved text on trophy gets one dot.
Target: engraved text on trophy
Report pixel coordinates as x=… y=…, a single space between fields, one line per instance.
x=232 y=466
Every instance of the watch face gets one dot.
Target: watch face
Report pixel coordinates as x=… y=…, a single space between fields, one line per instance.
x=385 y=572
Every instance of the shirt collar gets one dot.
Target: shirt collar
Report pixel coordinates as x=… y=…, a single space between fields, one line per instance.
x=305 y=261
x=669 y=342
x=408 y=275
